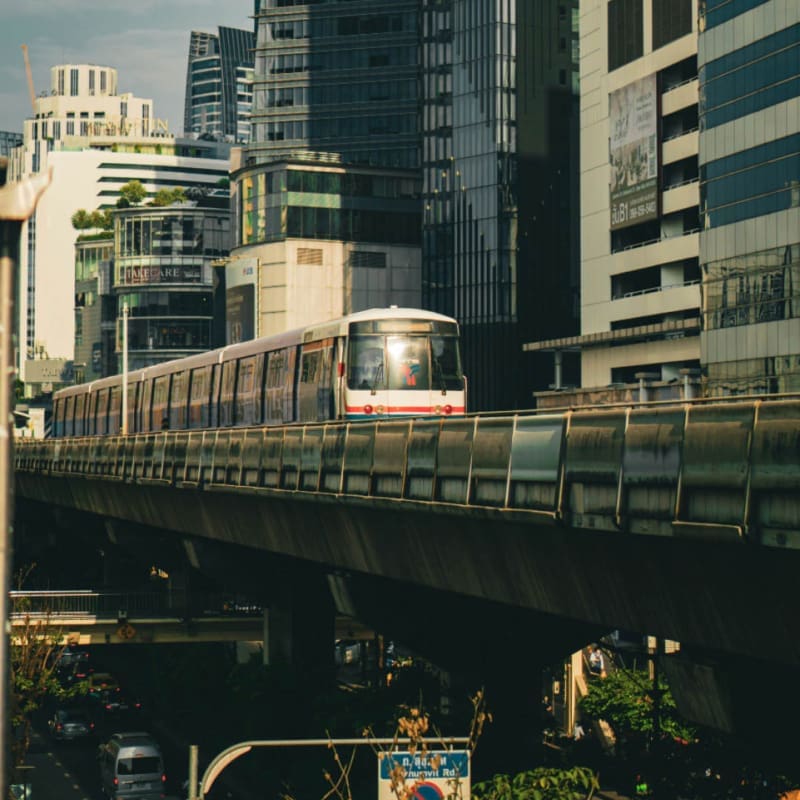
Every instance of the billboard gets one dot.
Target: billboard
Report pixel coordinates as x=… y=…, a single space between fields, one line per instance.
x=633 y=153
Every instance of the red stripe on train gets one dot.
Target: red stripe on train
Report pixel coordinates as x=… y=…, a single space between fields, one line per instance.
x=404 y=409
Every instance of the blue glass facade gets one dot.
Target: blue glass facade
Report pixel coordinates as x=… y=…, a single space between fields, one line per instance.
x=750 y=196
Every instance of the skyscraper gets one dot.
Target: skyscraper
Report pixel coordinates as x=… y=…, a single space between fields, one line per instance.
x=338 y=77
x=640 y=281
x=219 y=85
x=500 y=183
x=749 y=67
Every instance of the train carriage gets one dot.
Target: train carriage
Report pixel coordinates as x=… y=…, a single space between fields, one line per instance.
x=373 y=364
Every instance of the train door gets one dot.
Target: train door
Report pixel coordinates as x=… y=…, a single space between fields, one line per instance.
x=80 y=415
x=226 y=393
x=339 y=361
x=216 y=380
x=69 y=416
x=314 y=388
x=177 y=400
x=100 y=422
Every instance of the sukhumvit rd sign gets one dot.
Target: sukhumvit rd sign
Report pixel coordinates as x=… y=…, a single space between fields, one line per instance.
x=633 y=153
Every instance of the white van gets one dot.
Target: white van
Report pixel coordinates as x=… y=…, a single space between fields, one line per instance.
x=131 y=767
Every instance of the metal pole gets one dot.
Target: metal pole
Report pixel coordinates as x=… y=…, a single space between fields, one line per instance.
x=229 y=754
x=16 y=205
x=193 y=753
x=124 y=425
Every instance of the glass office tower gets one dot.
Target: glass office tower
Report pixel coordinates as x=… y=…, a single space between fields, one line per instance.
x=219 y=84
x=337 y=77
x=500 y=184
x=749 y=68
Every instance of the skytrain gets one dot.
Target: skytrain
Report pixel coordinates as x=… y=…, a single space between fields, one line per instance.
x=374 y=364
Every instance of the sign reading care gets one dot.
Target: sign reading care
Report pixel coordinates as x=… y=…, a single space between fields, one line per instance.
x=424 y=776
x=163 y=274
x=633 y=153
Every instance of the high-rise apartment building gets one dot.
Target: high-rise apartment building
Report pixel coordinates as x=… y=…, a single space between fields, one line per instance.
x=499 y=126
x=219 y=88
x=639 y=211
x=749 y=65
x=95 y=141
x=339 y=77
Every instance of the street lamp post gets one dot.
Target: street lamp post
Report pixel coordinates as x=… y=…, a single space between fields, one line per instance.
x=124 y=426
x=17 y=203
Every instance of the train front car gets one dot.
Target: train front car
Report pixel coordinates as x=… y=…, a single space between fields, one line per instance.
x=405 y=362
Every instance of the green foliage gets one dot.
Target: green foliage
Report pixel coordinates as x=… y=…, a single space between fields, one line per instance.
x=166 y=197
x=625 y=699
x=34 y=651
x=223 y=183
x=542 y=783
x=131 y=194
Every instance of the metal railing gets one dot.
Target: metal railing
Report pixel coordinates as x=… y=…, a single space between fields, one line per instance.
x=652 y=468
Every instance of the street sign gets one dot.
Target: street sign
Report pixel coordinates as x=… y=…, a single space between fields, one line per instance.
x=435 y=775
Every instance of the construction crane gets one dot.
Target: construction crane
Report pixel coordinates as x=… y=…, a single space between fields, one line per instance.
x=29 y=74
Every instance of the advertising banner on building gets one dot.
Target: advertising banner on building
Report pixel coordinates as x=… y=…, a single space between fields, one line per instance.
x=163 y=274
x=633 y=153
x=240 y=313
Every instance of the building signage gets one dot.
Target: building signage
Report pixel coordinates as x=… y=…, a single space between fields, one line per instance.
x=633 y=153
x=240 y=314
x=433 y=775
x=164 y=274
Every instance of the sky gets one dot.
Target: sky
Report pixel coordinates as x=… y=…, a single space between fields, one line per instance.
x=146 y=41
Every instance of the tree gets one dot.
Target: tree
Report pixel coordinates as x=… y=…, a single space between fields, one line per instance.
x=625 y=699
x=81 y=219
x=166 y=197
x=35 y=647
x=542 y=783
x=131 y=194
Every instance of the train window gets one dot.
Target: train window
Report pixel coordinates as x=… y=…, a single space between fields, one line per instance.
x=226 y=393
x=160 y=407
x=114 y=409
x=177 y=400
x=408 y=362
x=91 y=412
x=200 y=393
x=80 y=420
x=248 y=383
x=147 y=396
x=134 y=410
x=446 y=364
x=366 y=368
x=69 y=417
x=279 y=390
x=216 y=376
x=101 y=412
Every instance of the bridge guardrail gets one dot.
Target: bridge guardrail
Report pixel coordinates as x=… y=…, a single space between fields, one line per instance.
x=727 y=471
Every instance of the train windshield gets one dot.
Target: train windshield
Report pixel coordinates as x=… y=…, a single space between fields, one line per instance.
x=404 y=362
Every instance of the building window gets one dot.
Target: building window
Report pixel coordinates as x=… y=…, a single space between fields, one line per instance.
x=671 y=20
x=61 y=82
x=91 y=81
x=625 y=32
x=102 y=81
x=73 y=82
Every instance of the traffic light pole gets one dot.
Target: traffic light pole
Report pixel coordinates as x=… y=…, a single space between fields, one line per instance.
x=17 y=203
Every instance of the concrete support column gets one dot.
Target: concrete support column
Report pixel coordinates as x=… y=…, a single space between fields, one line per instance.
x=299 y=626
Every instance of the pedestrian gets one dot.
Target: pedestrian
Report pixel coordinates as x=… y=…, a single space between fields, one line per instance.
x=165 y=424
x=597 y=664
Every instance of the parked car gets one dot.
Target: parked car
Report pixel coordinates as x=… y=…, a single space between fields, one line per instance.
x=67 y=723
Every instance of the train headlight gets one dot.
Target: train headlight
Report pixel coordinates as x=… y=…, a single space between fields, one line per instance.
x=448 y=409
x=367 y=409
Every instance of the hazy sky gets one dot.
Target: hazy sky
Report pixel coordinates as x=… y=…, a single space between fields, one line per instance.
x=147 y=41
